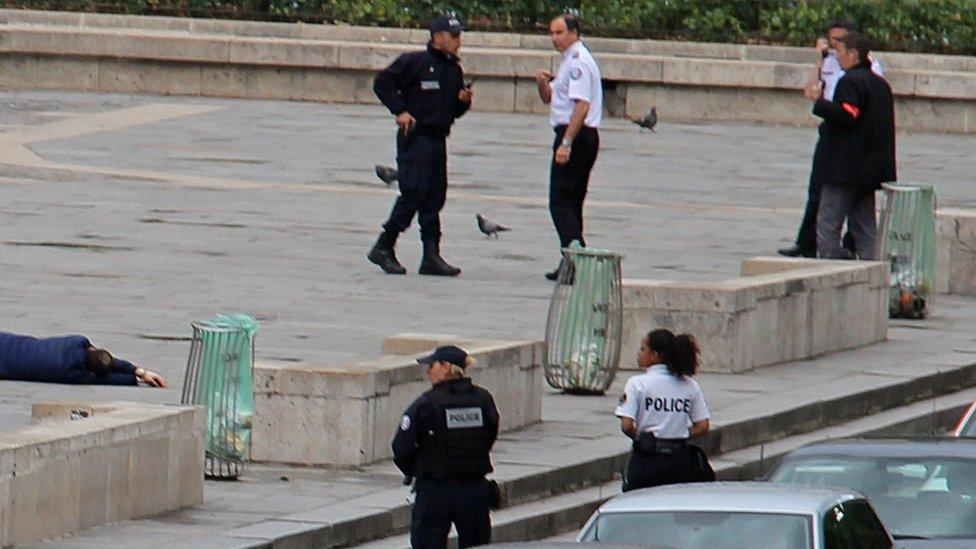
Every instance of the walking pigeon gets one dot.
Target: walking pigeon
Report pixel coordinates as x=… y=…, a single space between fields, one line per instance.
x=388 y=174
x=489 y=227
x=649 y=120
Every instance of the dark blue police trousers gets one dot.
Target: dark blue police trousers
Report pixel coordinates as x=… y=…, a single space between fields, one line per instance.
x=422 y=173
x=644 y=471
x=442 y=502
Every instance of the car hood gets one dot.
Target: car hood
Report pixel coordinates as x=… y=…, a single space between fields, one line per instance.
x=960 y=543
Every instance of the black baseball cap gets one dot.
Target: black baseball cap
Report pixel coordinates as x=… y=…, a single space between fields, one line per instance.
x=448 y=353
x=446 y=22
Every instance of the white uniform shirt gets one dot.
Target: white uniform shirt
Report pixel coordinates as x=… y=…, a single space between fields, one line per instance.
x=578 y=78
x=662 y=403
x=830 y=73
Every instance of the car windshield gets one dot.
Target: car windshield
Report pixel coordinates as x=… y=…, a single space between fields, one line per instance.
x=681 y=529
x=929 y=497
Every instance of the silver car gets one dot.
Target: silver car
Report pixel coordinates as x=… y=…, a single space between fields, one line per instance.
x=732 y=515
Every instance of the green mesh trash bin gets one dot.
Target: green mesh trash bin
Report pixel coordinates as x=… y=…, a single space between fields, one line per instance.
x=906 y=240
x=585 y=319
x=218 y=376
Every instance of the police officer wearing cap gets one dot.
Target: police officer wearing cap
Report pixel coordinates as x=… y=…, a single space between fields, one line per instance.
x=426 y=92
x=575 y=98
x=443 y=442
x=661 y=409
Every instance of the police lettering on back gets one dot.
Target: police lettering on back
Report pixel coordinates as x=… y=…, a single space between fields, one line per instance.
x=658 y=404
x=464 y=418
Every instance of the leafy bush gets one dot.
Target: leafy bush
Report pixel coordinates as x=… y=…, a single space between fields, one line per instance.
x=941 y=26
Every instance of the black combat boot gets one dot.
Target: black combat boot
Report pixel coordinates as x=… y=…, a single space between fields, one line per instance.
x=383 y=255
x=433 y=263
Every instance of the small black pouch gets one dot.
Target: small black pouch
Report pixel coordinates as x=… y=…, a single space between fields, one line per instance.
x=645 y=444
x=494 y=495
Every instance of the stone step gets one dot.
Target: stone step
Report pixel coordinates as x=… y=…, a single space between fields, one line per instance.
x=567 y=512
x=707 y=50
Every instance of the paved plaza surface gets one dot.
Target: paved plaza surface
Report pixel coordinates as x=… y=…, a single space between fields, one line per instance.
x=127 y=217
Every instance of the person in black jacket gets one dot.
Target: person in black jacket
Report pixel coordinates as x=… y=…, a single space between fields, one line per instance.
x=443 y=443
x=426 y=92
x=858 y=138
x=67 y=359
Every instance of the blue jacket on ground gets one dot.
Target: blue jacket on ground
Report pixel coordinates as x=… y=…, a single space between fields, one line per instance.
x=56 y=360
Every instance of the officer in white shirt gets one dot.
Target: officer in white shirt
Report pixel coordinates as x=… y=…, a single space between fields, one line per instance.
x=822 y=83
x=575 y=98
x=660 y=410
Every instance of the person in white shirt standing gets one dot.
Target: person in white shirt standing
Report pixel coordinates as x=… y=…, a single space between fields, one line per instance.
x=575 y=98
x=660 y=410
x=826 y=73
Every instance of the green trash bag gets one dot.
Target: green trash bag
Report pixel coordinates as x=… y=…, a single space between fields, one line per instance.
x=906 y=237
x=583 y=335
x=224 y=383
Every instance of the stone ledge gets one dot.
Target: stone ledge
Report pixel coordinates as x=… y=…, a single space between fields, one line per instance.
x=955 y=243
x=351 y=411
x=487 y=60
x=779 y=310
x=785 y=54
x=216 y=58
x=125 y=460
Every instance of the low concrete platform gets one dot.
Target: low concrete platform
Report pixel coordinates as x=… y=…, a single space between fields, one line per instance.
x=577 y=449
x=778 y=310
x=351 y=411
x=84 y=463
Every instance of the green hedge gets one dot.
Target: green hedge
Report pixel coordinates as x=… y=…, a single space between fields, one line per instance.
x=940 y=26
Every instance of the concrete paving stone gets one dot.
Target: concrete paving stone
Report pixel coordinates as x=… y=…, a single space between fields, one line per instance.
x=271 y=529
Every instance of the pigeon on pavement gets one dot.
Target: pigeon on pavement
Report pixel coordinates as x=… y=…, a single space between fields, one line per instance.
x=489 y=227
x=649 y=120
x=388 y=174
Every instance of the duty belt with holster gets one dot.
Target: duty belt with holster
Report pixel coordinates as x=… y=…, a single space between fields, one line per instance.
x=646 y=444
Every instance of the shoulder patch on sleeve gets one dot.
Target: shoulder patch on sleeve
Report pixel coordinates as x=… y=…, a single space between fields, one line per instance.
x=623 y=400
x=405 y=423
x=575 y=73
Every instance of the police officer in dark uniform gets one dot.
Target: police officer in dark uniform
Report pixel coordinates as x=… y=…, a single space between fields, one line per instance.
x=661 y=409
x=426 y=92
x=443 y=442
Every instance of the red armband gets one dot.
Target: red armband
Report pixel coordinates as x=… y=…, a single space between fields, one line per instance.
x=852 y=110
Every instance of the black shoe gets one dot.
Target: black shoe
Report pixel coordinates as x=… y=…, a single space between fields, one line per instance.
x=383 y=255
x=434 y=264
x=570 y=278
x=795 y=251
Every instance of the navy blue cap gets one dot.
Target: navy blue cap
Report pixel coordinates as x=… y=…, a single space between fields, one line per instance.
x=446 y=22
x=447 y=353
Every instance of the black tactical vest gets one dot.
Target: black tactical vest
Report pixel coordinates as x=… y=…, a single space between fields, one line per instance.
x=458 y=440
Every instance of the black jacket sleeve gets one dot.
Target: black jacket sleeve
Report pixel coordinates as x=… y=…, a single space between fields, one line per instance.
x=845 y=109
x=390 y=80
x=493 y=418
x=460 y=107
x=406 y=442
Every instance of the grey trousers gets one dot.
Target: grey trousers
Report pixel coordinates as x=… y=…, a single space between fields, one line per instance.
x=857 y=205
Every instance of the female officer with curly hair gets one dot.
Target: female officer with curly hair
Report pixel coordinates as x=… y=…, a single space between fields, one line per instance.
x=661 y=409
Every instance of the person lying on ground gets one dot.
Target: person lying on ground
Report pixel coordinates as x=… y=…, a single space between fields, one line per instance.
x=67 y=359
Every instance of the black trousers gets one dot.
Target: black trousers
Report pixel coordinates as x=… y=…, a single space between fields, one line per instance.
x=442 y=502
x=806 y=238
x=568 y=183
x=644 y=471
x=422 y=174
